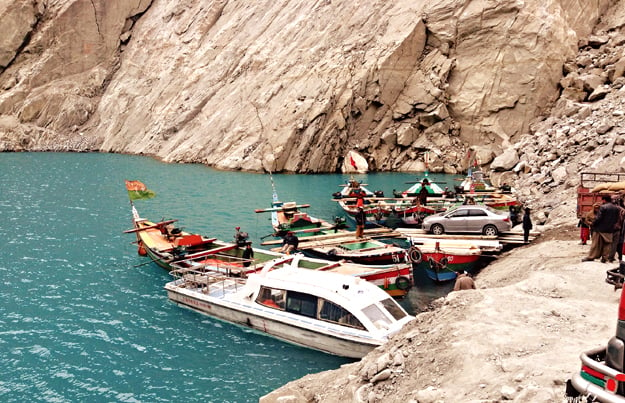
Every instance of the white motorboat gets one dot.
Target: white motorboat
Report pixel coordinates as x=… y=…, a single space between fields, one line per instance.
x=330 y=312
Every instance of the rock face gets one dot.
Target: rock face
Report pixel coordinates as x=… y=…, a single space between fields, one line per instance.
x=287 y=85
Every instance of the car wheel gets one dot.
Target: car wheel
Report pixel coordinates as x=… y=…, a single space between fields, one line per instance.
x=490 y=230
x=437 y=229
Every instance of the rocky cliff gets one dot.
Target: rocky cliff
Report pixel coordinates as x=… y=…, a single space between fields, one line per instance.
x=288 y=85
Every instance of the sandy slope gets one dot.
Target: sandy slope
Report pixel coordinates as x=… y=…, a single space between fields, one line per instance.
x=517 y=337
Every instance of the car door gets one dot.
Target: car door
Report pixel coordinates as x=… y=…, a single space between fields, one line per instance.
x=456 y=221
x=476 y=220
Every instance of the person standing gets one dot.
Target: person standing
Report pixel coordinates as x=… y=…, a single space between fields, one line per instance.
x=360 y=218
x=617 y=235
x=248 y=254
x=423 y=195
x=584 y=231
x=603 y=229
x=514 y=216
x=527 y=225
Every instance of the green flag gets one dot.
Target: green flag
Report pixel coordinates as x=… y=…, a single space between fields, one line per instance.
x=137 y=190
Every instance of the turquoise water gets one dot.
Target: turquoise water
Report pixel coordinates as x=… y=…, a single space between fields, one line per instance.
x=82 y=319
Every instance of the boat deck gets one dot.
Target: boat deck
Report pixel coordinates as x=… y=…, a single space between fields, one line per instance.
x=212 y=284
x=510 y=237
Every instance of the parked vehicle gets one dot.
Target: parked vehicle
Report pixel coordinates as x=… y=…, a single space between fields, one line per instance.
x=601 y=377
x=594 y=185
x=468 y=218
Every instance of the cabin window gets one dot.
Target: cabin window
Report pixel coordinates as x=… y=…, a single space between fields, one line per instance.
x=271 y=297
x=303 y=304
x=393 y=308
x=331 y=312
x=377 y=316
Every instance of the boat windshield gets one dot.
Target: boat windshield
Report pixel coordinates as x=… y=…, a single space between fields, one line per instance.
x=377 y=316
x=393 y=308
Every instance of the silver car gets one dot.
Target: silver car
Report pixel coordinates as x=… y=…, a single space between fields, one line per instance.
x=468 y=218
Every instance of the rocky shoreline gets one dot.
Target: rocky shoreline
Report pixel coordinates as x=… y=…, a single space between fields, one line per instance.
x=516 y=338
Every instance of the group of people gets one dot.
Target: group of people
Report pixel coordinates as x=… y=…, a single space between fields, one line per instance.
x=603 y=225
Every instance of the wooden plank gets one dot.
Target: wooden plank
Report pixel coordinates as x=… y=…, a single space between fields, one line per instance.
x=158 y=224
x=347 y=235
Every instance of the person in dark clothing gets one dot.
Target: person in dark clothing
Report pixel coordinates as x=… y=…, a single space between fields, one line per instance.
x=240 y=238
x=290 y=243
x=361 y=219
x=603 y=229
x=617 y=235
x=248 y=254
x=423 y=195
x=527 y=225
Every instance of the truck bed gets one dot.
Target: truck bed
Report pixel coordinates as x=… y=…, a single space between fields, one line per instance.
x=588 y=181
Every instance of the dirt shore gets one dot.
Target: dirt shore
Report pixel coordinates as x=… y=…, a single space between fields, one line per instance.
x=517 y=337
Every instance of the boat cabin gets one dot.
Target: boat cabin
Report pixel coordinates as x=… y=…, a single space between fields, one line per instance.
x=328 y=297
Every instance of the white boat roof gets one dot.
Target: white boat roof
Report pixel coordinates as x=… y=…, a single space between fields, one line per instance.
x=417 y=186
x=345 y=289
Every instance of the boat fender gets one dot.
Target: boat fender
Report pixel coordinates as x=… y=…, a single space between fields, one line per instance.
x=141 y=250
x=402 y=283
x=414 y=254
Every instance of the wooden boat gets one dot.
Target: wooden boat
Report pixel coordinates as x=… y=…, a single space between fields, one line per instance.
x=355 y=189
x=475 y=182
x=443 y=263
x=163 y=243
x=476 y=187
x=432 y=188
x=380 y=210
x=330 y=312
x=290 y=217
x=497 y=200
x=185 y=250
x=361 y=250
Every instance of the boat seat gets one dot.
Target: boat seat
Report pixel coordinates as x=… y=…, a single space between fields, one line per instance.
x=192 y=240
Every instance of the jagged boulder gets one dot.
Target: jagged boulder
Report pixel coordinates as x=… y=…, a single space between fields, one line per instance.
x=505 y=161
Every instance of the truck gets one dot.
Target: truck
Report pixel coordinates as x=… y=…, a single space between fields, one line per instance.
x=602 y=183
x=601 y=377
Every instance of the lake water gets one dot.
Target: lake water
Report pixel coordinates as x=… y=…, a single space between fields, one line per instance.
x=82 y=319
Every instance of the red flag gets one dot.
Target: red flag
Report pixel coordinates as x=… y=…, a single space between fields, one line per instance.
x=352 y=162
x=135 y=185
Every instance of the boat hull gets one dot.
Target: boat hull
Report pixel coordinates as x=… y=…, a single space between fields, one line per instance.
x=456 y=263
x=396 y=282
x=296 y=334
x=380 y=258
